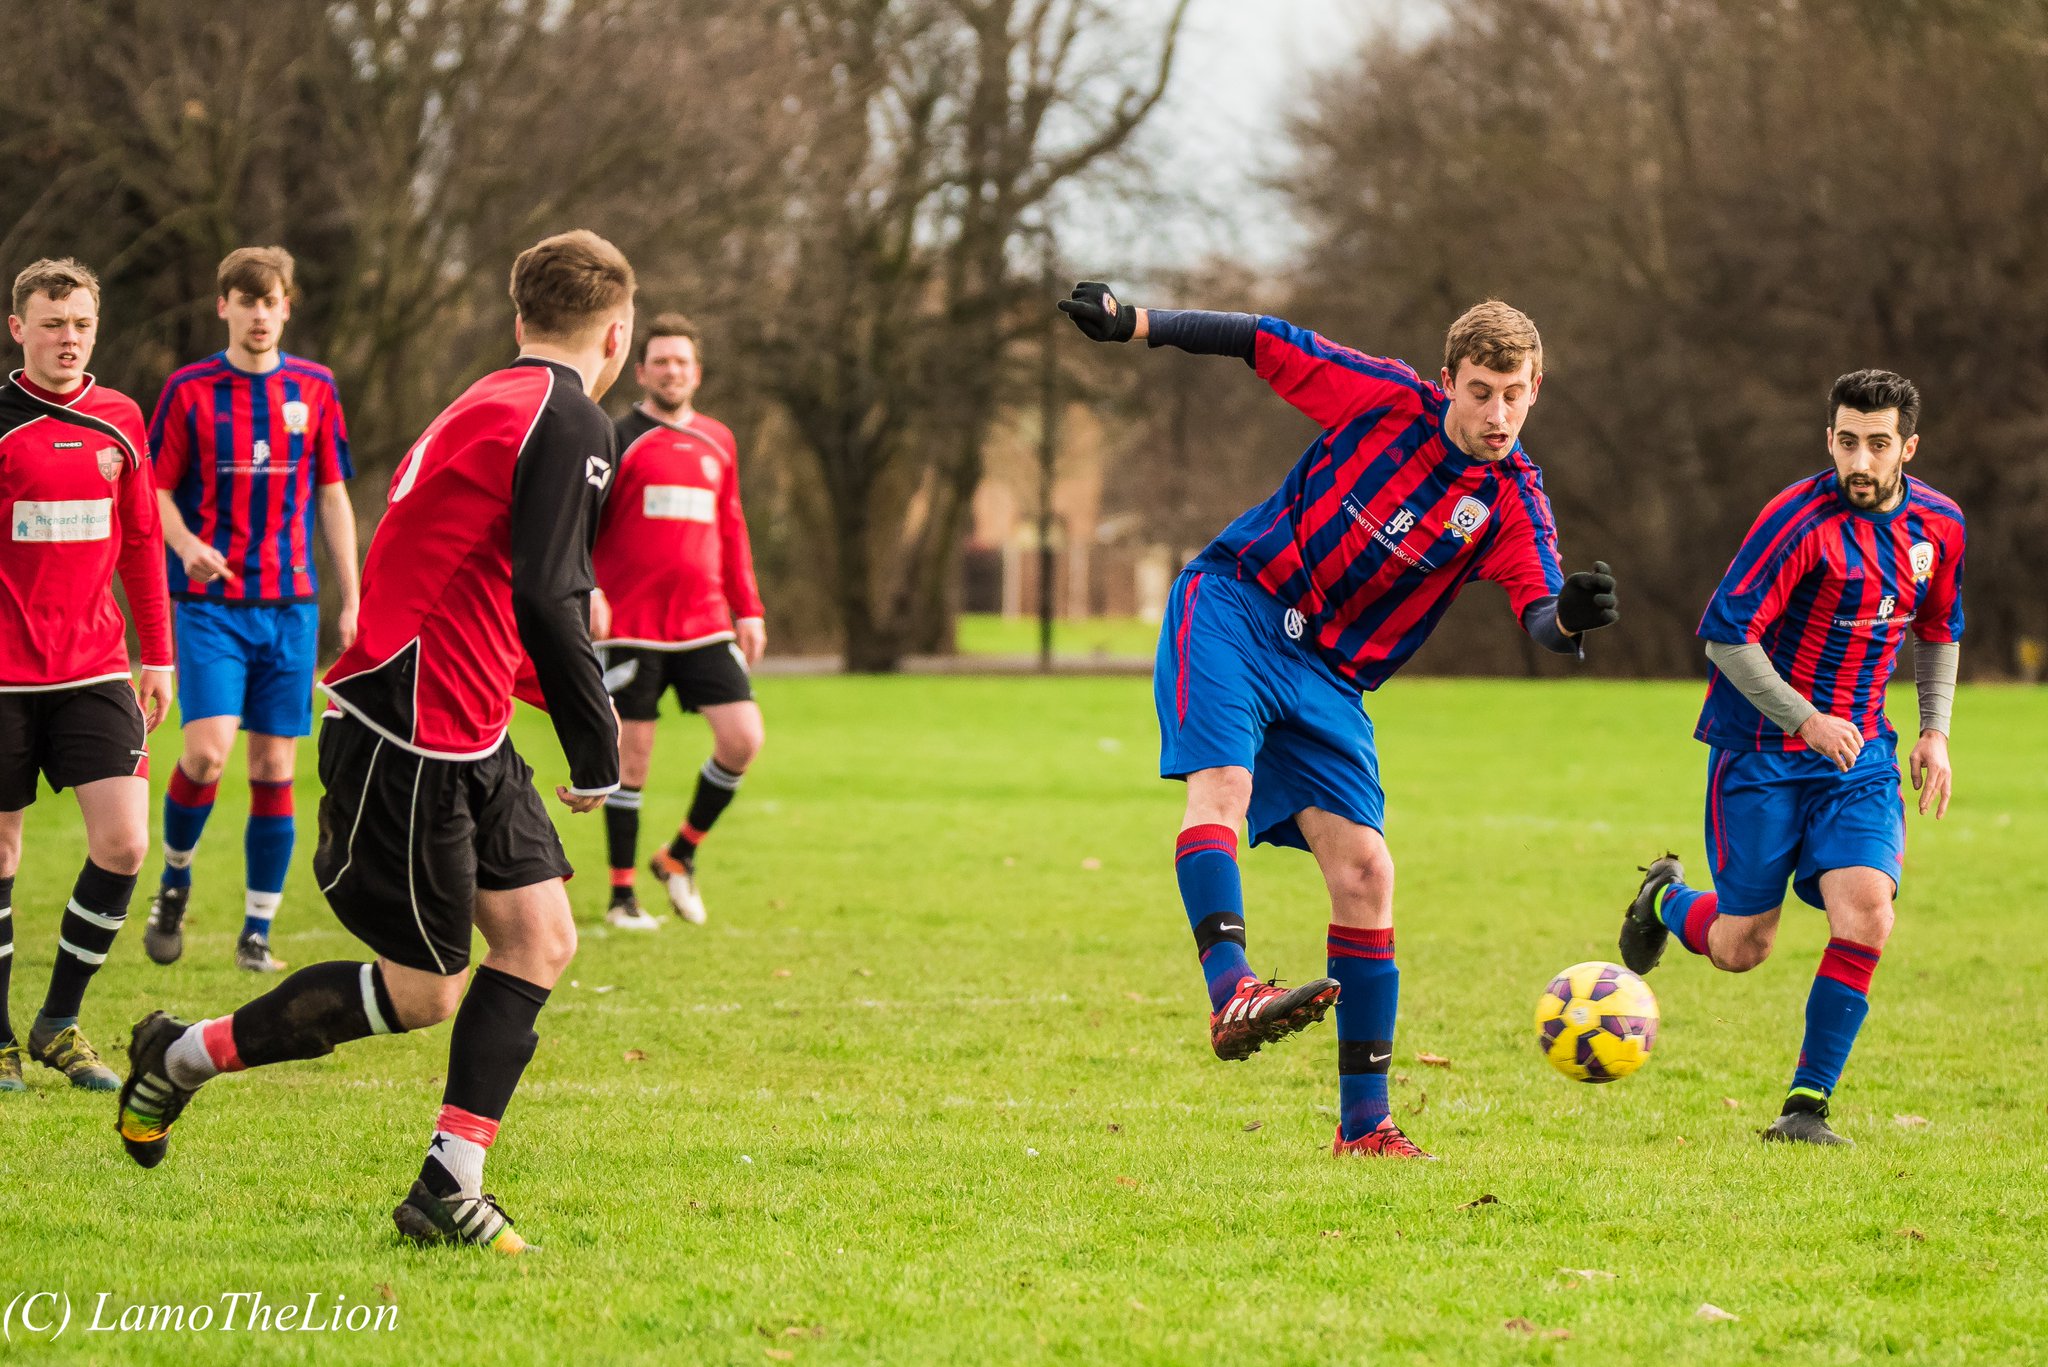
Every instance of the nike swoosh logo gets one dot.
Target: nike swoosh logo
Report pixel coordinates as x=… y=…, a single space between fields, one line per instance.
x=1227 y=926
x=1377 y=1058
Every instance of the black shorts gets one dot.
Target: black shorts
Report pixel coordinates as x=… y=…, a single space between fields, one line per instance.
x=70 y=736
x=406 y=842
x=704 y=677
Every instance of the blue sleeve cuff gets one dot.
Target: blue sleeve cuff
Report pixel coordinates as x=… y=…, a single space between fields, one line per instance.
x=1539 y=619
x=1202 y=332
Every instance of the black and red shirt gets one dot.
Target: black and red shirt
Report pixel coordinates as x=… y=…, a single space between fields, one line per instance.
x=673 y=558
x=79 y=504
x=482 y=560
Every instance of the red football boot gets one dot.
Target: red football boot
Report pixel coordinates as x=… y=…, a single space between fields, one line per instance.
x=1261 y=1012
x=1383 y=1141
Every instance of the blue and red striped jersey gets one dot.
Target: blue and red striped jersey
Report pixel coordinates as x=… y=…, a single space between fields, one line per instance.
x=242 y=455
x=1383 y=520
x=1828 y=590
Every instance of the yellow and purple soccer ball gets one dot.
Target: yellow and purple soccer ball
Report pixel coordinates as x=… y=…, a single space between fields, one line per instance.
x=1596 y=1022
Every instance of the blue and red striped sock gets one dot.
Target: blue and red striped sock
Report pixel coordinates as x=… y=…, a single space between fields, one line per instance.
x=1362 y=962
x=267 y=851
x=1834 y=1013
x=1689 y=913
x=187 y=804
x=1205 y=865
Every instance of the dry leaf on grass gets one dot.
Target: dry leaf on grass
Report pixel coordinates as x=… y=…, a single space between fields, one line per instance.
x=1131 y=1182
x=1518 y=1325
x=1421 y=1100
x=1909 y=1122
x=1489 y=1199
x=804 y=1331
x=386 y=1294
x=636 y=1055
x=1433 y=1060
x=1114 y=1128
x=1091 y=863
x=1587 y=1274
x=780 y=1354
x=1251 y=1125
x=780 y=973
x=1333 y=1234
x=1908 y=1232
x=1713 y=1314
x=1731 y=1103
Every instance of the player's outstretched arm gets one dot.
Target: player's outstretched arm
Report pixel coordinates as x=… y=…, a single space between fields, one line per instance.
x=557 y=493
x=1102 y=317
x=1934 y=672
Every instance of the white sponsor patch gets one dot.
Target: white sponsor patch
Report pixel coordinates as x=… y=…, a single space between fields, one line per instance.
x=679 y=503
x=71 y=519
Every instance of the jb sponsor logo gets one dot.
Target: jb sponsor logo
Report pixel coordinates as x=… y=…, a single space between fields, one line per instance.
x=46 y=1316
x=1391 y=534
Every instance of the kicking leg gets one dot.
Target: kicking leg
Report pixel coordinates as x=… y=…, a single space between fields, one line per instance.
x=188 y=802
x=1358 y=870
x=1860 y=918
x=532 y=936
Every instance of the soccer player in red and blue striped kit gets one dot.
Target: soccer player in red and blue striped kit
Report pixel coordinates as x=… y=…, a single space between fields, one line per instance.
x=250 y=446
x=1413 y=490
x=1802 y=771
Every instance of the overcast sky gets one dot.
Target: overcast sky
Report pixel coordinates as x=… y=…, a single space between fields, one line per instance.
x=1242 y=65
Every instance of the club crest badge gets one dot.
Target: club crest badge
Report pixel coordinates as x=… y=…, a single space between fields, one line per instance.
x=1922 y=557
x=710 y=468
x=1467 y=517
x=110 y=460
x=296 y=416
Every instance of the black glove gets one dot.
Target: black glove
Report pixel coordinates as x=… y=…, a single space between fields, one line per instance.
x=1098 y=314
x=1587 y=601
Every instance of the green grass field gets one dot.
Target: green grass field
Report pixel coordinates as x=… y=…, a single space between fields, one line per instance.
x=934 y=1086
x=988 y=633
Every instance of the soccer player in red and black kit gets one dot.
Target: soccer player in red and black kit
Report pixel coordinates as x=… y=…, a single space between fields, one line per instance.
x=1413 y=490
x=76 y=494
x=430 y=824
x=676 y=572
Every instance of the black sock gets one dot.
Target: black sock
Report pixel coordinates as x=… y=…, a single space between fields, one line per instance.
x=488 y=1050
x=99 y=904
x=312 y=1011
x=716 y=787
x=6 y=956
x=622 y=837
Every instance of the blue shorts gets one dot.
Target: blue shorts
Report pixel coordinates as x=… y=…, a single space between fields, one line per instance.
x=253 y=662
x=1233 y=687
x=1773 y=816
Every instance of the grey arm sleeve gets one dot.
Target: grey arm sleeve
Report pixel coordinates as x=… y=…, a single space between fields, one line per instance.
x=1934 y=670
x=1757 y=679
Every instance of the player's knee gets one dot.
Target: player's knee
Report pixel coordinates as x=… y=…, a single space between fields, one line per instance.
x=554 y=946
x=1867 y=923
x=1219 y=796
x=739 y=749
x=203 y=765
x=119 y=852
x=1744 y=953
x=423 y=1000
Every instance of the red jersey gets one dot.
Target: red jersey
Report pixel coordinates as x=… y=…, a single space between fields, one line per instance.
x=483 y=560
x=79 y=505
x=672 y=557
x=242 y=455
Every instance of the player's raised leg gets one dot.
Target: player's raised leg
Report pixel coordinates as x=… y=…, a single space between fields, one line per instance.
x=1205 y=867
x=116 y=813
x=622 y=824
x=1359 y=872
x=532 y=935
